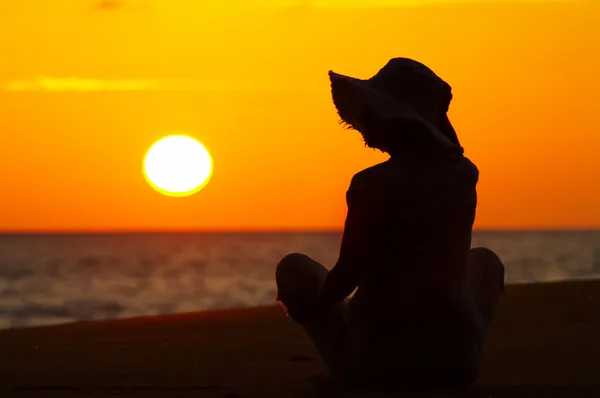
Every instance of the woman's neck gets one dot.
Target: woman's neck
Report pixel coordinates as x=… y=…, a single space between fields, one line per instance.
x=412 y=160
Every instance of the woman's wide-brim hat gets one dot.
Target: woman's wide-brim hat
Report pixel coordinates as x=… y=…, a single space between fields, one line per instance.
x=403 y=89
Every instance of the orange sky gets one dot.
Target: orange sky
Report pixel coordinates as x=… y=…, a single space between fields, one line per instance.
x=86 y=88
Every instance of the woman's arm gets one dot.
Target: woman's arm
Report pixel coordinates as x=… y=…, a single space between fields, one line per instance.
x=340 y=281
x=346 y=274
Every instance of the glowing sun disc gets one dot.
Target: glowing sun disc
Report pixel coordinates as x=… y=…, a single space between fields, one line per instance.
x=177 y=165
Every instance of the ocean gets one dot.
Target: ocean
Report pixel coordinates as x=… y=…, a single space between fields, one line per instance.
x=49 y=279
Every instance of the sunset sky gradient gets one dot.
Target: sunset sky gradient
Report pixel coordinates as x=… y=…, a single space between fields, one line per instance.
x=86 y=88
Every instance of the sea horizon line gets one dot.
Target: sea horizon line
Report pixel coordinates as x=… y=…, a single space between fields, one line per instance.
x=299 y=231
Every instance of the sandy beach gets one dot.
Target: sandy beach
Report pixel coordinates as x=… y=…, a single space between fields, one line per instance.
x=544 y=343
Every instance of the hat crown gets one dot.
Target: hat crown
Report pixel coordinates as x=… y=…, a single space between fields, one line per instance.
x=412 y=81
x=403 y=89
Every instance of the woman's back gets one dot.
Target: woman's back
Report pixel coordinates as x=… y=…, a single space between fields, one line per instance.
x=416 y=226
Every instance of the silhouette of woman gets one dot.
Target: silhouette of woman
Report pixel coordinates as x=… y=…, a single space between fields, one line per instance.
x=424 y=298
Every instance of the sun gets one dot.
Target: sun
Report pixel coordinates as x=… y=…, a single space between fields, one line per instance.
x=177 y=165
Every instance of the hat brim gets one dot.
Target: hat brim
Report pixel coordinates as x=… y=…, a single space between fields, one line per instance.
x=350 y=95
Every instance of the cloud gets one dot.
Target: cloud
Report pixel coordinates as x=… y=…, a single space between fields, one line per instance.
x=54 y=84
x=305 y=4
x=109 y=5
x=76 y=84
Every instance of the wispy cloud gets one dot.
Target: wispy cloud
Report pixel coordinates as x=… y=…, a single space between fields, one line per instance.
x=409 y=3
x=108 y=5
x=115 y=5
x=55 y=84
x=360 y=3
x=145 y=5
x=76 y=84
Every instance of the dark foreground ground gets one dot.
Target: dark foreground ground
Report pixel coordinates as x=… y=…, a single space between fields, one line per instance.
x=545 y=342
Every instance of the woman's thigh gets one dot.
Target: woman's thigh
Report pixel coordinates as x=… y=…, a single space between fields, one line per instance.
x=485 y=275
x=299 y=277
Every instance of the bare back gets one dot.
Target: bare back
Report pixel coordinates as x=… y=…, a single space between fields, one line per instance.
x=412 y=231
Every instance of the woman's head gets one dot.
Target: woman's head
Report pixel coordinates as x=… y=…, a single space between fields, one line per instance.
x=405 y=138
x=401 y=110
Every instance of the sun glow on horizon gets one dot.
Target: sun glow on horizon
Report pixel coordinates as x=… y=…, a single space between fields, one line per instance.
x=177 y=165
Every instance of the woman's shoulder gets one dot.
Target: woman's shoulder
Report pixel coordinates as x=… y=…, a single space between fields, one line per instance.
x=465 y=168
x=374 y=175
x=396 y=177
x=397 y=170
x=465 y=163
x=381 y=180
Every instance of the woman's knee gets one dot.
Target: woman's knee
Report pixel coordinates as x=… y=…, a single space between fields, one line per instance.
x=484 y=257
x=484 y=267
x=297 y=275
x=291 y=264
